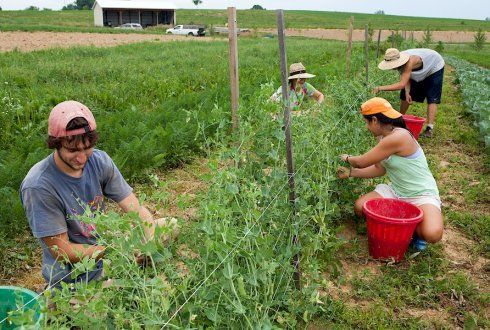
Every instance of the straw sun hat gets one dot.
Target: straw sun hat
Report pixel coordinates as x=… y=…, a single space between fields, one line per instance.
x=393 y=59
x=298 y=71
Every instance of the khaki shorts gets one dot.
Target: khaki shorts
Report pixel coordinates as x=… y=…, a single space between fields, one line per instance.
x=386 y=191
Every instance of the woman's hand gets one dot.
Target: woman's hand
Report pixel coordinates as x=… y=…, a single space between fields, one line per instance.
x=344 y=157
x=375 y=90
x=343 y=172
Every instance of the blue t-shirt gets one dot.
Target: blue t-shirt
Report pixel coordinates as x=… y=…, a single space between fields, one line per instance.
x=53 y=201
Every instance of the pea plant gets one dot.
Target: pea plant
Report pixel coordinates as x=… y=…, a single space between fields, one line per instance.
x=237 y=271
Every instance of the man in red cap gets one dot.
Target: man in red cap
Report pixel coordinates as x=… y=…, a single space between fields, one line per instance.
x=60 y=188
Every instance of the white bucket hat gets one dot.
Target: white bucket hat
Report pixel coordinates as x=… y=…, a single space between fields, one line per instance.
x=393 y=59
x=297 y=71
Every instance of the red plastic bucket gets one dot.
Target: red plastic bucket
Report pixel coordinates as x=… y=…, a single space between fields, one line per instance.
x=390 y=225
x=414 y=124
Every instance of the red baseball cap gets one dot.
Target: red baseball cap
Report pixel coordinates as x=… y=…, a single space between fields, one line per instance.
x=63 y=113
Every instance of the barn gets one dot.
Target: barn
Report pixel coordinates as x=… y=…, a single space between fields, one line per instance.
x=145 y=12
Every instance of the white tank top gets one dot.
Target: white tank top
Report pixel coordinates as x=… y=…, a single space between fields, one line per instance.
x=432 y=62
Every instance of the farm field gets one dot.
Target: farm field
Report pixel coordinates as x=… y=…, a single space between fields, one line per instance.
x=75 y=21
x=167 y=128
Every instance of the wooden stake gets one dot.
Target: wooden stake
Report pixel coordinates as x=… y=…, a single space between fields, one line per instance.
x=366 y=47
x=392 y=39
x=349 y=47
x=287 y=123
x=232 y=36
x=377 y=47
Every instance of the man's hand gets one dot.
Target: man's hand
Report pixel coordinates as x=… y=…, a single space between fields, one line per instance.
x=142 y=260
x=343 y=172
x=408 y=98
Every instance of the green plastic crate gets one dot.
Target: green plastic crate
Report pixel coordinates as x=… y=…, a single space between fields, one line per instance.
x=26 y=305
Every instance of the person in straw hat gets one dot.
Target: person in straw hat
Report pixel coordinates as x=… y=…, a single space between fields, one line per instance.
x=298 y=87
x=421 y=75
x=397 y=154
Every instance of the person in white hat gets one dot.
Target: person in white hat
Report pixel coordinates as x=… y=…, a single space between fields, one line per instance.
x=298 y=87
x=59 y=189
x=421 y=76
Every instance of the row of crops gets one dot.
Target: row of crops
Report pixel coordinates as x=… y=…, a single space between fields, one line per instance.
x=158 y=105
x=474 y=83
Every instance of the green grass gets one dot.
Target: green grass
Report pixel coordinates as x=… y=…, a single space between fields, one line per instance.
x=468 y=52
x=58 y=21
x=83 y=20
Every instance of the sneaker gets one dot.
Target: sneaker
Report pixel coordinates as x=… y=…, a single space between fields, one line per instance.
x=417 y=243
x=428 y=132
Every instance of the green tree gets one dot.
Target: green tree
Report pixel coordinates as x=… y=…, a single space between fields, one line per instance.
x=258 y=7
x=79 y=5
x=197 y=2
x=427 y=38
x=32 y=8
x=439 y=47
x=379 y=12
x=71 y=6
x=480 y=39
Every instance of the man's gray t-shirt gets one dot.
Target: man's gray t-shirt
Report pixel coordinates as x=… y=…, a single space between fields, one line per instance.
x=53 y=201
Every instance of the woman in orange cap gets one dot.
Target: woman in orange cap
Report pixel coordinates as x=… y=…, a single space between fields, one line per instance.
x=398 y=155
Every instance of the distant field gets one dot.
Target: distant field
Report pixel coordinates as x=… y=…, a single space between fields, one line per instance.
x=83 y=20
x=481 y=58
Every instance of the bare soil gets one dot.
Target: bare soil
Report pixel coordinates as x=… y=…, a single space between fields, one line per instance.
x=358 y=35
x=30 y=41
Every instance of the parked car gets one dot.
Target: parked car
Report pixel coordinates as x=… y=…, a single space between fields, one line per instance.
x=133 y=26
x=189 y=30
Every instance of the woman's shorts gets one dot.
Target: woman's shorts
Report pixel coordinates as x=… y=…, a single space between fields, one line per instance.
x=430 y=88
x=386 y=191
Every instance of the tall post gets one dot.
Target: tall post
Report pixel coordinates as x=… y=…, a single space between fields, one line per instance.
x=392 y=39
x=366 y=47
x=377 y=46
x=232 y=36
x=349 y=47
x=287 y=123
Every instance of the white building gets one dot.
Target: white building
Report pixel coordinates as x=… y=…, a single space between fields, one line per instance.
x=144 y=12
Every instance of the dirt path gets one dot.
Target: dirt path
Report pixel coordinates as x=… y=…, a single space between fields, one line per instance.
x=358 y=35
x=29 y=41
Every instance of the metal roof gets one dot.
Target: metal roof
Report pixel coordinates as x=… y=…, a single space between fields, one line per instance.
x=135 y=4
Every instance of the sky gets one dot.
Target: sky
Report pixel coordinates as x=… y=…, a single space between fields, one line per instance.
x=463 y=9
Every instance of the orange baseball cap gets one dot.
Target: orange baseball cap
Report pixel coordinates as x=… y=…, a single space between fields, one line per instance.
x=63 y=113
x=379 y=105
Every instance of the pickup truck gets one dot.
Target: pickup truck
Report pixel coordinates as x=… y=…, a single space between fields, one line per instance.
x=188 y=30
